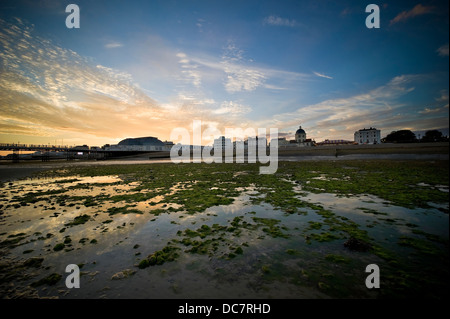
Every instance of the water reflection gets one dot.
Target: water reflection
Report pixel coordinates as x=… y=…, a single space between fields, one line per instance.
x=108 y=243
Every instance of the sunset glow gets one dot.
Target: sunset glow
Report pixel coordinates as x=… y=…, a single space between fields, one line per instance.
x=143 y=68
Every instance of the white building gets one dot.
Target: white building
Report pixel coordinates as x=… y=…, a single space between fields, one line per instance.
x=222 y=144
x=252 y=143
x=368 y=136
x=282 y=141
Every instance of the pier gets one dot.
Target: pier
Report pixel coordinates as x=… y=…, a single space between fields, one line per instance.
x=48 y=152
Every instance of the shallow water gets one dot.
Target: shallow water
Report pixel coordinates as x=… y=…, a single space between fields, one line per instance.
x=263 y=270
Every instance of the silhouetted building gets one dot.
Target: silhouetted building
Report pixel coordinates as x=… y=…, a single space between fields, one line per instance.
x=141 y=144
x=147 y=141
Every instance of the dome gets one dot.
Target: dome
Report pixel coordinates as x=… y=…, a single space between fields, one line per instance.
x=300 y=131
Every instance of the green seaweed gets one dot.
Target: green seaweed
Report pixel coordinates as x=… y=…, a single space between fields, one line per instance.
x=422 y=246
x=34 y=262
x=337 y=259
x=272 y=228
x=79 y=220
x=123 y=210
x=196 y=187
x=59 y=247
x=292 y=252
x=50 y=280
x=371 y=211
x=167 y=254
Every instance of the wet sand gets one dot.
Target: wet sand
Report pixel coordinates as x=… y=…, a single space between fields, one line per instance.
x=9 y=173
x=249 y=236
x=411 y=151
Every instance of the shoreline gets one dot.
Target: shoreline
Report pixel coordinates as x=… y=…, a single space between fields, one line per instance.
x=10 y=172
x=427 y=151
x=385 y=148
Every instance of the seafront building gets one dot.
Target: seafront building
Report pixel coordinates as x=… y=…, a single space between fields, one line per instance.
x=368 y=136
x=335 y=142
x=140 y=144
x=222 y=143
x=252 y=142
x=299 y=141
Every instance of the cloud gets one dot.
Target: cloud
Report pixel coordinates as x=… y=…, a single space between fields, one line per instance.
x=414 y=12
x=443 y=97
x=189 y=71
x=232 y=108
x=433 y=110
x=113 y=45
x=443 y=50
x=200 y=23
x=322 y=75
x=278 y=21
x=239 y=77
x=274 y=87
x=46 y=89
x=377 y=107
x=242 y=75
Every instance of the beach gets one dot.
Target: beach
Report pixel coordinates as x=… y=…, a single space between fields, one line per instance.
x=193 y=230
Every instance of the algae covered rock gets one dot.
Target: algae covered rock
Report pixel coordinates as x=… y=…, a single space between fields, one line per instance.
x=168 y=253
x=123 y=274
x=357 y=245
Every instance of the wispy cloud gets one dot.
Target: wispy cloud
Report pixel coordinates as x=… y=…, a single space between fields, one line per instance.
x=322 y=75
x=113 y=45
x=443 y=98
x=339 y=118
x=200 y=23
x=242 y=75
x=232 y=108
x=418 y=10
x=189 y=70
x=428 y=110
x=278 y=21
x=239 y=76
x=443 y=50
x=47 y=90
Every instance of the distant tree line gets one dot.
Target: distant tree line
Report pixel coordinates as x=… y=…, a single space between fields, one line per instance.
x=406 y=136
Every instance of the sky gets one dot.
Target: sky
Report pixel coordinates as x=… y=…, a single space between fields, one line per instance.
x=144 y=68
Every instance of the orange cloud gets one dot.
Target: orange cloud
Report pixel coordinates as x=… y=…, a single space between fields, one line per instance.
x=416 y=11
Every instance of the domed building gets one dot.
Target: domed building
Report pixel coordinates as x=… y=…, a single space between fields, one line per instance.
x=299 y=141
x=300 y=138
x=300 y=135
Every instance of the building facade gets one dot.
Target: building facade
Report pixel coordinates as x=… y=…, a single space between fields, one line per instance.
x=300 y=135
x=300 y=138
x=299 y=141
x=252 y=143
x=222 y=144
x=140 y=144
x=368 y=136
